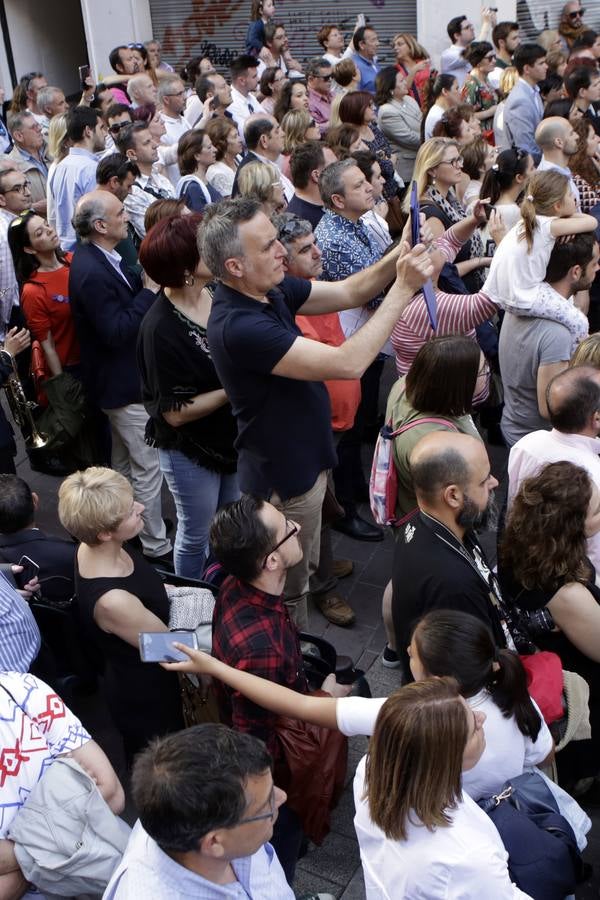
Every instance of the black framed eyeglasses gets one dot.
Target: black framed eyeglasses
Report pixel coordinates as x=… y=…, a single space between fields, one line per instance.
x=18 y=188
x=262 y=816
x=294 y=530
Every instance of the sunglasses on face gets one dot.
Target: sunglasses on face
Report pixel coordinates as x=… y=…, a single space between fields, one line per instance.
x=578 y=12
x=116 y=128
x=490 y=56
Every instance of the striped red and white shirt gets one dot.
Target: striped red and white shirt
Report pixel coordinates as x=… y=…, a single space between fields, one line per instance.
x=457 y=313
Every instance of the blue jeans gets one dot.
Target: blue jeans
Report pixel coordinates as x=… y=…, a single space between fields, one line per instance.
x=198 y=493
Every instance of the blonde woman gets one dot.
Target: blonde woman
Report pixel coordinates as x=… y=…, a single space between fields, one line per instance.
x=588 y=352
x=412 y=61
x=119 y=595
x=438 y=170
x=56 y=148
x=298 y=126
x=261 y=182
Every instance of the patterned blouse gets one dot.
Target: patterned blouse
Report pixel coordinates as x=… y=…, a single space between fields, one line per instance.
x=481 y=95
x=381 y=148
x=588 y=195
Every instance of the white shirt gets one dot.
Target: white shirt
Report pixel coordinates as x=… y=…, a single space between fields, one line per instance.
x=452 y=62
x=545 y=165
x=507 y=751
x=433 y=117
x=221 y=178
x=517 y=272
x=176 y=127
x=139 y=198
x=462 y=861
x=540 y=447
x=242 y=107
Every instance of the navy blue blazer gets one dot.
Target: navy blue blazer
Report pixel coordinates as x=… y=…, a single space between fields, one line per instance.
x=107 y=316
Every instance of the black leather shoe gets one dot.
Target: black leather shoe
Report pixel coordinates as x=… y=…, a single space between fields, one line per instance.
x=358 y=529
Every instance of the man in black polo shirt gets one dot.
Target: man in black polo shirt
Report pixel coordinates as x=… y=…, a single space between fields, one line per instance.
x=273 y=376
x=438 y=561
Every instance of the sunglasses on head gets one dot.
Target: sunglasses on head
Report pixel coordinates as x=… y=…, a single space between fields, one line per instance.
x=134 y=46
x=26 y=214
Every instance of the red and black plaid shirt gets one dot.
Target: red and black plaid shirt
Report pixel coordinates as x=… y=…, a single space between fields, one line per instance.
x=252 y=631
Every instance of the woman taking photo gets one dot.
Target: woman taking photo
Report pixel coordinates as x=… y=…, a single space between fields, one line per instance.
x=226 y=140
x=543 y=566
x=442 y=92
x=459 y=849
x=477 y=90
x=399 y=118
x=119 y=595
x=438 y=169
x=42 y=270
x=195 y=154
x=412 y=61
x=190 y=417
x=358 y=109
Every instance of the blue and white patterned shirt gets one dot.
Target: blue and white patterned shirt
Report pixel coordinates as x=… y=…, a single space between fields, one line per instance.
x=347 y=247
x=19 y=634
x=146 y=871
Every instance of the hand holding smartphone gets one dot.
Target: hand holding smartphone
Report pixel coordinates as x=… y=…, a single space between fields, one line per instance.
x=157 y=646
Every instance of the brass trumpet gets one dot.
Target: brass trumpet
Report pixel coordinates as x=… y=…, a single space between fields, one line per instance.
x=22 y=409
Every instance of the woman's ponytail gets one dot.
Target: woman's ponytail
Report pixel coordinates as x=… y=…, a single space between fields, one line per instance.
x=509 y=692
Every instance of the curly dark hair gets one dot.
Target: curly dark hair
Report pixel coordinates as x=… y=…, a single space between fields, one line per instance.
x=544 y=542
x=580 y=163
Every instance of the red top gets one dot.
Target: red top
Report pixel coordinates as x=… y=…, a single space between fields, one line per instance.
x=344 y=395
x=45 y=302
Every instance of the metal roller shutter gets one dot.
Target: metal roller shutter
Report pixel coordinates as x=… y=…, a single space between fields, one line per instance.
x=537 y=15
x=217 y=28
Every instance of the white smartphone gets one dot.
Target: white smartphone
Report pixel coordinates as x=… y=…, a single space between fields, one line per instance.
x=157 y=646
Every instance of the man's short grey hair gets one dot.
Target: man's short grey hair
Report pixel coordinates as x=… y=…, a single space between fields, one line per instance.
x=88 y=211
x=220 y=232
x=134 y=83
x=331 y=179
x=315 y=64
x=16 y=120
x=45 y=95
x=166 y=84
x=290 y=228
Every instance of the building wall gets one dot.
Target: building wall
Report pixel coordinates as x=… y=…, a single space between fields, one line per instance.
x=111 y=22
x=432 y=19
x=46 y=42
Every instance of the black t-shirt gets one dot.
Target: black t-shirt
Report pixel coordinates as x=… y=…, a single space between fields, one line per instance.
x=284 y=425
x=429 y=572
x=312 y=212
x=175 y=364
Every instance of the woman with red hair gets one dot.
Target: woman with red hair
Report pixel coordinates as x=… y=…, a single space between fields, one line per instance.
x=358 y=108
x=191 y=421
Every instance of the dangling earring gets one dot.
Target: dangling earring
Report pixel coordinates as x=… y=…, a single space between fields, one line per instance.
x=189 y=280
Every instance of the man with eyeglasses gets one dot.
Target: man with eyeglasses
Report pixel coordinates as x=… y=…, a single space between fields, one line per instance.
x=28 y=154
x=318 y=72
x=207 y=806
x=257 y=545
x=571 y=25
x=462 y=33
x=117 y=117
x=15 y=196
x=171 y=99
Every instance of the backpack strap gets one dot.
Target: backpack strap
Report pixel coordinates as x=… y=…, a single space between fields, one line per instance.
x=424 y=420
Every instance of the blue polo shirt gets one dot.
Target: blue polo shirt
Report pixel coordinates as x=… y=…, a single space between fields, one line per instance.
x=284 y=425
x=368 y=72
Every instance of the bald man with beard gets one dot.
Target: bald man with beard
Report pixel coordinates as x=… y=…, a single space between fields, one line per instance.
x=438 y=561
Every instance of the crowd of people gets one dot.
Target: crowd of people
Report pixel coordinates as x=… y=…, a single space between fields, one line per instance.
x=206 y=279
